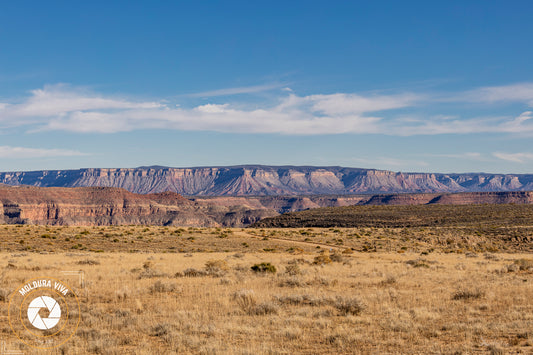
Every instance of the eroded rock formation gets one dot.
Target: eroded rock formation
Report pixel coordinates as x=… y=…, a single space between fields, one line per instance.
x=255 y=180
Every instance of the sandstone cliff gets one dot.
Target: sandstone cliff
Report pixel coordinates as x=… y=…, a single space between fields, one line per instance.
x=250 y=180
x=114 y=206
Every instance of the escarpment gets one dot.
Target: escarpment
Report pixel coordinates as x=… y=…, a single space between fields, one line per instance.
x=256 y=180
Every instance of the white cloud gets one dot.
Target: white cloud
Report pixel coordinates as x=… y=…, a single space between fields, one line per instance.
x=522 y=92
x=211 y=108
x=8 y=152
x=340 y=104
x=58 y=108
x=65 y=108
x=514 y=157
x=57 y=100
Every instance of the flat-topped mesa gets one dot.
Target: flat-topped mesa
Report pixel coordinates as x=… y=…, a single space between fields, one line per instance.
x=250 y=180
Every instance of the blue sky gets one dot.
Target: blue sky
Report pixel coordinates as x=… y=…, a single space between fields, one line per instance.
x=440 y=86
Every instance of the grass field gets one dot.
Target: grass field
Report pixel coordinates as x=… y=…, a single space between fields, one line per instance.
x=159 y=290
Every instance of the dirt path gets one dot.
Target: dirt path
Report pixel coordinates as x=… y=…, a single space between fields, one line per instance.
x=298 y=242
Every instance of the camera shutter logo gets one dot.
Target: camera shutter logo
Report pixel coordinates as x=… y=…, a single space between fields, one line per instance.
x=44 y=312
x=44 y=302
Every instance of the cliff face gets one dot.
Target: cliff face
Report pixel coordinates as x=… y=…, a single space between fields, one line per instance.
x=114 y=206
x=269 y=180
x=90 y=206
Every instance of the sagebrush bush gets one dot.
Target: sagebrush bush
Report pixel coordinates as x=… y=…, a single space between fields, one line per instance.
x=293 y=270
x=417 y=263
x=264 y=267
x=467 y=294
x=88 y=262
x=192 y=272
x=217 y=268
x=304 y=300
x=159 y=287
x=216 y=265
x=245 y=299
x=322 y=259
x=264 y=309
x=336 y=257
x=351 y=305
x=524 y=264
x=160 y=329
x=149 y=273
x=297 y=261
x=388 y=281
x=292 y=281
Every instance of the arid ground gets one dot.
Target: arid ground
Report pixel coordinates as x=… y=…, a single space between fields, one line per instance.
x=164 y=290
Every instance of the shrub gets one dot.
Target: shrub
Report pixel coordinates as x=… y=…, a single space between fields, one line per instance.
x=322 y=259
x=216 y=266
x=350 y=305
x=293 y=270
x=245 y=299
x=524 y=264
x=297 y=261
x=192 y=272
x=264 y=267
x=336 y=257
x=159 y=287
x=150 y=273
x=263 y=309
x=322 y=281
x=390 y=280
x=88 y=262
x=466 y=294
x=304 y=300
x=417 y=263
x=160 y=329
x=292 y=282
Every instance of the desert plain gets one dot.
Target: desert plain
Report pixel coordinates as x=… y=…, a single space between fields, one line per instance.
x=367 y=290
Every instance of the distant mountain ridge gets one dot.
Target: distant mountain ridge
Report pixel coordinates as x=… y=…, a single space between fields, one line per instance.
x=258 y=180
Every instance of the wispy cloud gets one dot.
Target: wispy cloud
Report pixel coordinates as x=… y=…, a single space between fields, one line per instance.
x=66 y=108
x=514 y=157
x=237 y=90
x=8 y=152
x=341 y=104
x=522 y=92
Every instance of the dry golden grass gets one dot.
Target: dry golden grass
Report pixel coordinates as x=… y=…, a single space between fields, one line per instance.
x=160 y=301
x=133 y=239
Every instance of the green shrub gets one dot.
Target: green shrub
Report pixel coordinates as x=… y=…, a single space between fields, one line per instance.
x=264 y=267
